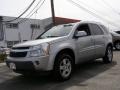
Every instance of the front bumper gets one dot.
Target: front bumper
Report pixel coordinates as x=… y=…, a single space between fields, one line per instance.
x=29 y=63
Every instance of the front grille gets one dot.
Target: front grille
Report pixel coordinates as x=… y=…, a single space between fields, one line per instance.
x=18 y=54
x=14 y=48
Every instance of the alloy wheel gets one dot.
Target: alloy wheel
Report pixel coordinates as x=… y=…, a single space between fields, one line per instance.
x=65 y=67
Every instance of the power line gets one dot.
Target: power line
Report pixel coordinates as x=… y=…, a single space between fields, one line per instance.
x=33 y=9
x=26 y=18
x=110 y=7
x=89 y=6
x=92 y=13
x=23 y=12
x=100 y=16
x=31 y=14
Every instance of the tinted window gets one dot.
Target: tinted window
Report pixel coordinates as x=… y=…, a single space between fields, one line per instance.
x=84 y=27
x=96 y=30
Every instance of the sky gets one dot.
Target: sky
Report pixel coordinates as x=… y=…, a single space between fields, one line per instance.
x=109 y=10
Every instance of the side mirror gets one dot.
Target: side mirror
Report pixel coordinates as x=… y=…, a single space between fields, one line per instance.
x=80 y=34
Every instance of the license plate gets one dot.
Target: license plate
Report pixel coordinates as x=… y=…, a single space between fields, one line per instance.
x=12 y=66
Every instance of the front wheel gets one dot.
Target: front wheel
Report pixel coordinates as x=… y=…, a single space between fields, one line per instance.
x=108 y=55
x=63 y=67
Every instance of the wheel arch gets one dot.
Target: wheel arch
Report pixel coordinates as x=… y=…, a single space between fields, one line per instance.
x=109 y=44
x=66 y=50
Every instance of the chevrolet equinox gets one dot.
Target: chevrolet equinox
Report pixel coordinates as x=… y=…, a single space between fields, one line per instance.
x=62 y=47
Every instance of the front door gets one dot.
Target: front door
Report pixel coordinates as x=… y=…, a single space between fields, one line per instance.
x=85 y=45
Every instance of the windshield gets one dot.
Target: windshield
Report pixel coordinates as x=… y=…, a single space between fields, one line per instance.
x=57 y=31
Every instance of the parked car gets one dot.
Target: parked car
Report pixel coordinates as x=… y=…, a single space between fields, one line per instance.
x=117 y=32
x=62 y=47
x=116 y=40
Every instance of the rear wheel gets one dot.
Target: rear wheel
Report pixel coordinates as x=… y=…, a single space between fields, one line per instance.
x=117 y=45
x=63 y=67
x=108 y=55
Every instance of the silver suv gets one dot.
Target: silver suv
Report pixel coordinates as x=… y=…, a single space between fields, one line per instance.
x=62 y=47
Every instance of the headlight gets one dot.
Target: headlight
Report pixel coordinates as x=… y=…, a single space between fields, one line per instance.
x=40 y=50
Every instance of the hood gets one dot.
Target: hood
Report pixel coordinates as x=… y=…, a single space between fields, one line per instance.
x=39 y=41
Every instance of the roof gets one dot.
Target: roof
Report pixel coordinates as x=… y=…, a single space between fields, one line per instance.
x=61 y=20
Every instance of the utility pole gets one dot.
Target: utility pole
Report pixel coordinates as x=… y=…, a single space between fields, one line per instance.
x=53 y=12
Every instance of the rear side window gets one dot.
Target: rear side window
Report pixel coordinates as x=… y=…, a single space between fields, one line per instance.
x=105 y=29
x=96 y=30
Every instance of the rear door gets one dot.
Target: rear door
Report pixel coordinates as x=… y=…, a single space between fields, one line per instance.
x=98 y=36
x=85 y=45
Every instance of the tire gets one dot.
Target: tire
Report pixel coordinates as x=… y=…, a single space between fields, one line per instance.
x=108 y=55
x=117 y=45
x=63 y=67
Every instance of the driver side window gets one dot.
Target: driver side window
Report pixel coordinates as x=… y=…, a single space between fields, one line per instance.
x=84 y=27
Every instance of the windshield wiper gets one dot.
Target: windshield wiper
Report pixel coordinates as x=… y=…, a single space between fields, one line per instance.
x=52 y=36
x=47 y=37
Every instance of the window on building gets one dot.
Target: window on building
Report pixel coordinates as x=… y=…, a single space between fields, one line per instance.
x=12 y=25
x=25 y=40
x=9 y=44
x=35 y=26
x=15 y=42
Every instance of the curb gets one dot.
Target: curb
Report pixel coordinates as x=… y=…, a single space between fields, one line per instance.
x=2 y=64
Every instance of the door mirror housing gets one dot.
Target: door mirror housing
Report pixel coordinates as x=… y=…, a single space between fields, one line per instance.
x=80 y=34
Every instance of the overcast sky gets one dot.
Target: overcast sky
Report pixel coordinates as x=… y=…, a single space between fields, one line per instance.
x=109 y=11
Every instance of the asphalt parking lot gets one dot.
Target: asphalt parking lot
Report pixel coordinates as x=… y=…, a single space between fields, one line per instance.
x=90 y=76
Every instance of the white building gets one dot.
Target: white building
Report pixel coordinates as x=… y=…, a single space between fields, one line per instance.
x=13 y=33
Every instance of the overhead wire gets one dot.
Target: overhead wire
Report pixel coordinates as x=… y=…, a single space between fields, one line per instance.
x=22 y=12
x=90 y=7
x=92 y=13
x=108 y=5
x=98 y=15
x=32 y=12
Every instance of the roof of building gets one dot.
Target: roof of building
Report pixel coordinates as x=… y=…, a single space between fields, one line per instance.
x=61 y=20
